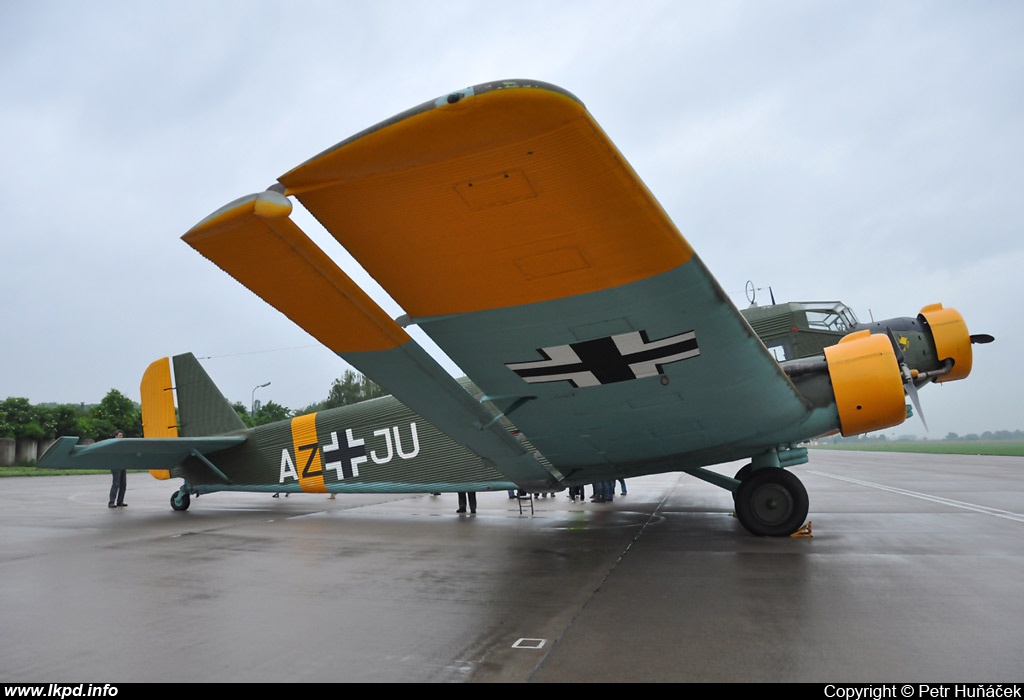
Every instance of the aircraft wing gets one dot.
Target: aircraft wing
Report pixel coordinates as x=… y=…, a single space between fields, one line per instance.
x=254 y=241
x=507 y=225
x=132 y=453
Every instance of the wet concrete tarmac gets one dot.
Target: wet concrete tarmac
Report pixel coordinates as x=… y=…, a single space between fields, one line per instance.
x=913 y=574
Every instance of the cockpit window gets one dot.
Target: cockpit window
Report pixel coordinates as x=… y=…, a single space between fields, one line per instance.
x=836 y=317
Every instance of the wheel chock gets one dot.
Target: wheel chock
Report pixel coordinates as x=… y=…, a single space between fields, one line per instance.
x=805 y=531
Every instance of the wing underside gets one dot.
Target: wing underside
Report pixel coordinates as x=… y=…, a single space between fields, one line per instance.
x=506 y=224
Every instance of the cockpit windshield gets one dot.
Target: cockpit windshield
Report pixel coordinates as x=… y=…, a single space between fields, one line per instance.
x=832 y=316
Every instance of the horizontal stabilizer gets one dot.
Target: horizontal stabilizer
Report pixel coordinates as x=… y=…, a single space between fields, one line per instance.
x=131 y=453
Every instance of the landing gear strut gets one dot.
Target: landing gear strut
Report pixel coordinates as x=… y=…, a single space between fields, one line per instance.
x=180 y=500
x=771 y=502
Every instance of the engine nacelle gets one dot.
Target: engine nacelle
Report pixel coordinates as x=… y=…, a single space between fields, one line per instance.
x=867 y=383
x=951 y=338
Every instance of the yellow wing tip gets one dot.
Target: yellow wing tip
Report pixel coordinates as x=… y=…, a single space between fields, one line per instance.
x=269 y=204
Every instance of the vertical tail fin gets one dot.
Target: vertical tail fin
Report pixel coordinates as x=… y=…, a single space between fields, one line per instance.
x=202 y=409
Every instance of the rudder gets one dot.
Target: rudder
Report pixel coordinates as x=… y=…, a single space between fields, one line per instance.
x=158 y=415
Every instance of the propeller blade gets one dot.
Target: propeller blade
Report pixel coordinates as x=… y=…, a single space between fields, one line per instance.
x=909 y=387
x=912 y=393
x=982 y=338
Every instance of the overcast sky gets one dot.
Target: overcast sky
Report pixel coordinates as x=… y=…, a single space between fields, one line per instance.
x=865 y=151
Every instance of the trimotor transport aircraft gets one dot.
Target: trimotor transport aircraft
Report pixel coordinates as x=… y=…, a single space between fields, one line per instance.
x=596 y=344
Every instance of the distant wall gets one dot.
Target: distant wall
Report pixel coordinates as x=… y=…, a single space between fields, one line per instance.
x=26 y=452
x=21 y=453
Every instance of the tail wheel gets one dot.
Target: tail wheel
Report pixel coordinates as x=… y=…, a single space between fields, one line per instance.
x=180 y=500
x=771 y=502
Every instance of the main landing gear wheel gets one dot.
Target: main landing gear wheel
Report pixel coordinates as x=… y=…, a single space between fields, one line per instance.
x=741 y=476
x=771 y=502
x=744 y=472
x=180 y=500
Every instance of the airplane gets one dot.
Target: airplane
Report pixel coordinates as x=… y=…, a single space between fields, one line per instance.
x=597 y=345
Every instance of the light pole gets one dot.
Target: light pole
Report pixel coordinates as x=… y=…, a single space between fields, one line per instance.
x=252 y=401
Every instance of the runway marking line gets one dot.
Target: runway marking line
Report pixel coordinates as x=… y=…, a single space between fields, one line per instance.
x=1008 y=515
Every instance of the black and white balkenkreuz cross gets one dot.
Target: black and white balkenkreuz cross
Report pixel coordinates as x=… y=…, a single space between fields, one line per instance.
x=617 y=358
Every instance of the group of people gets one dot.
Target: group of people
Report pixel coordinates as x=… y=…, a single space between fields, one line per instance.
x=602 y=492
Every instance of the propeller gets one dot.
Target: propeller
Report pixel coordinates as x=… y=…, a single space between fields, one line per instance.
x=909 y=387
x=981 y=338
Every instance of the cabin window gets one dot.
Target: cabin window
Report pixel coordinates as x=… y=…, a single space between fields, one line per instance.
x=778 y=351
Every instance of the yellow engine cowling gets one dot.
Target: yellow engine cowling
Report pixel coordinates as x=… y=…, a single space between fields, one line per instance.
x=951 y=338
x=867 y=383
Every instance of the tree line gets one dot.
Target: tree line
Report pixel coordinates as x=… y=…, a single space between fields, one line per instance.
x=349 y=388
x=987 y=436
x=22 y=420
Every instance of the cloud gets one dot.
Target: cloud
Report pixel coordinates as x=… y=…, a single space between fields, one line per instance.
x=863 y=151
